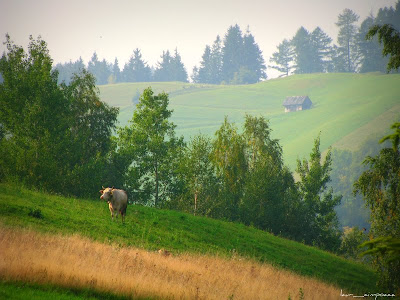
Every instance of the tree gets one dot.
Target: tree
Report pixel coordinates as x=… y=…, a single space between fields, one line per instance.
x=151 y=149
x=200 y=194
x=216 y=61
x=170 y=68
x=253 y=59
x=265 y=202
x=100 y=69
x=347 y=39
x=205 y=71
x=303 y=52
x=370 y=50
x=178 y=69
x=229 y=159
x=232 y=53
x=321 y=47
x=54 y=133
x=380 y=187
x=283 y=58
x=390 y=38
x=319 y=223
x=116 y=72
x=67 y=70
x=136 y=69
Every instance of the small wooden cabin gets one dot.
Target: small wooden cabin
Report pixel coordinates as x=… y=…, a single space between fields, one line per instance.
x=296 y=103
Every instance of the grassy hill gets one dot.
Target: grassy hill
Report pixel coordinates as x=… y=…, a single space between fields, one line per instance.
x=152 y=229
x=347 y=108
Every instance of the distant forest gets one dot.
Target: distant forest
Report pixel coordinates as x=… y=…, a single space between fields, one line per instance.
x=237 y=58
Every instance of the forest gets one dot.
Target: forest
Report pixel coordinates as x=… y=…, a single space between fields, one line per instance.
x=237 y=59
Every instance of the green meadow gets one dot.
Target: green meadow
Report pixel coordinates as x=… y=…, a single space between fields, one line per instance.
x=347 y=108
x=154 y=229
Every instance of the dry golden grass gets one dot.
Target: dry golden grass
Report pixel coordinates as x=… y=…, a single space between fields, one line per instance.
x=77 y=262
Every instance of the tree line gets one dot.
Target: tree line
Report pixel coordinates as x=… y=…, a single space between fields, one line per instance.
x=313 y=52
x=237 y=59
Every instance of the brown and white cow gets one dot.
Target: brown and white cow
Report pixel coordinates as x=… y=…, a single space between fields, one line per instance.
x=117 y=201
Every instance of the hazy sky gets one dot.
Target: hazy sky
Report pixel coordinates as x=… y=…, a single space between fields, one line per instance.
x=77 y=28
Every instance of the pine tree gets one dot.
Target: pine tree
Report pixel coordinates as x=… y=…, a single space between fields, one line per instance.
x=67 y=70
x=304 y=52
x=347 y=40
x=232 y=50
x=116 y=71
x=170 y=68
x=211 y=64
x=321 y=47
x=205 y=74
x=216 y=61
x=283 y=58
x=178 y=69
x=253 y=59
x=100 y=69
x=370 y=50
x=136 y=69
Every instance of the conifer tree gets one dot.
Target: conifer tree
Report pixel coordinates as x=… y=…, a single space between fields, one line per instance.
x=178 y=69
x=136 y=69
x=232 y=51
x=205 y=73
x=100 y=69
x=216 y=61
x=253 y=59
x=321 y=48
x=116 y=71
x=347 y=40
x=283 y=58
x=303 y=51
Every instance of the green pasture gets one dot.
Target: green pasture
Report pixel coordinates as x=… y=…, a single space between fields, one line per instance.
x=152 y=229
x=347 y=108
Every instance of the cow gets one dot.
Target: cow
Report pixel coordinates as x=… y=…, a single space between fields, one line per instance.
x=117 y=201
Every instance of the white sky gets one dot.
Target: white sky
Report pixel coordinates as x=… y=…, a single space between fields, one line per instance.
x=77 y=28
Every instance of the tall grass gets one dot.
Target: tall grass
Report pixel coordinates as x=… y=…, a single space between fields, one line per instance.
x=76 y=262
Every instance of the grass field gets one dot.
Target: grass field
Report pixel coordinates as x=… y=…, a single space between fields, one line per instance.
x=347 y=108
x=181 y=234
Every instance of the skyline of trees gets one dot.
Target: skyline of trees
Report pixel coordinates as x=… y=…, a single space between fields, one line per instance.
x=236 y=58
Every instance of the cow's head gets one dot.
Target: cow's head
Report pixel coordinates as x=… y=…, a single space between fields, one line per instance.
x=106 y=193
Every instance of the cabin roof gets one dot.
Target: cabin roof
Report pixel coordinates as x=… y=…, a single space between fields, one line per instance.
x=295 y=100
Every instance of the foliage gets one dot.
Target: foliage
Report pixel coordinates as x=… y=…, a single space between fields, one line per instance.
x=150 y=149
x=319 y=220
x=346 y=169
x=170 y=68
x=136 y=69
x=283 y=58
x=380 y=187
x=351 y=240
x=303 y=52
x=347 y=40
x=101 y=70
x=196 y=171
x=370 y=50
x=390 y=38
x=238 y=61
x=54 y=133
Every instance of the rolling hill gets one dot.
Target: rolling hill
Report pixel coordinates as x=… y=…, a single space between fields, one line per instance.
x=347 y=108
x=151 y=229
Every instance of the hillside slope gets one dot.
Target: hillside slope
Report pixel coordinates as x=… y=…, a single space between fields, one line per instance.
x=153 y=229
x=345 y=107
